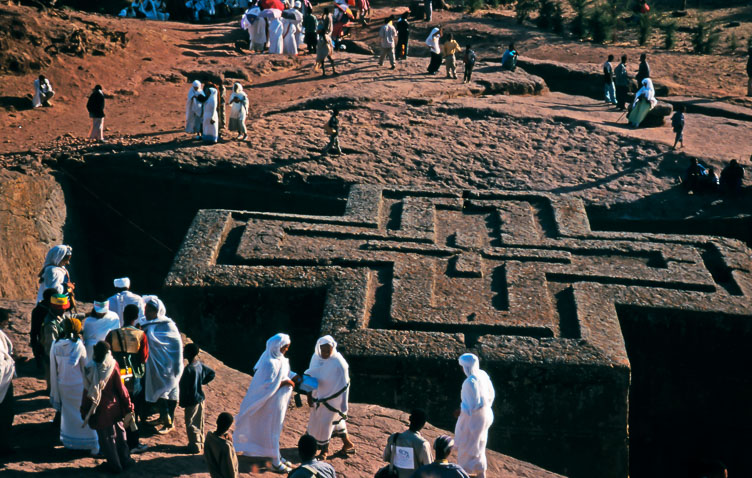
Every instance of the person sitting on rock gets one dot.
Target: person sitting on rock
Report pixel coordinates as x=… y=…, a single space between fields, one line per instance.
x=644 y=101
x=441 y=468
x=309 y=466
x=694 y=177
x=219 y=452
x=509 y=58
x=711 y=182
x=731 y=178
x=408 y=451
x=42 y=92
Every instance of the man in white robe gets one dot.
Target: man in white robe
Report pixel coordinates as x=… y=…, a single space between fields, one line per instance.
x=258 y=424
x=290 y=36
x=98 y=324
x=42 y=92
x=210 y=124
x=7 y=373
x=276 y=30
x=165 y=364
x=259 y=35
x=475 y=417
x=329 y=399
x=193 y=113
x=124 y=297
x=54 y=275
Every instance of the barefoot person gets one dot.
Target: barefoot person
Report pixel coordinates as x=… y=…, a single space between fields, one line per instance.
x=42 y=92
x=259 y=421
x=95 y=106
x=475 y=417
x=329 y=399
x=324 y=52
x=238 y=111
x=210 y=125
x=193 y=110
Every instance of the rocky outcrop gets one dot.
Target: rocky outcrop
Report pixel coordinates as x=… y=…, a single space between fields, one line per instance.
x=32 y=214
x=502 y=82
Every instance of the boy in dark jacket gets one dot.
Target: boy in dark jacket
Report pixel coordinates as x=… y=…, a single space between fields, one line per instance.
x=469 y=61
x=195 y=375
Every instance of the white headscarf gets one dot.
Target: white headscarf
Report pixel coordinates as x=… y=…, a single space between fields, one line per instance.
x=157 y=303
x=96 y=378
x=55 y=256
x=268 y=373
x=648 y=92
x=195 y=90
x=326 y=340
x=471 y=366
x=273 y=349
x=332 y=373
x=165 y=364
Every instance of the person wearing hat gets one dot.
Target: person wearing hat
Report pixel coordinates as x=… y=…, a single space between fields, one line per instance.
x=408 y=451
x=52 y=327
x=441 y=468
x=67 y=370
x=475 y=417
x=219 y=452
x=165 y=364
x=98 y=324
x=54 y=274
x=124 y=297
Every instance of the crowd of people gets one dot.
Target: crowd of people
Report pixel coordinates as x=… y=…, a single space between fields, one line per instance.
x=123 y=366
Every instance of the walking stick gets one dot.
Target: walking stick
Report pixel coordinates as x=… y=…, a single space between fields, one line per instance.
x=622 y=116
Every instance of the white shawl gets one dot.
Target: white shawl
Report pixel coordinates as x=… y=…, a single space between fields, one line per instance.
x=210 y=113
x=7 y=365
x=192 y=107
x=267 y=375
x=332 y=374
x=95 y=379
x=239 y=109
x=648 y=92
x=53 y=276
x=37 y=101
x=165 y=364
x=477 y=389
x=95 y=329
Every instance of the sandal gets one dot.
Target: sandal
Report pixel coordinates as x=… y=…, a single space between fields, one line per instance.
x=281 y=468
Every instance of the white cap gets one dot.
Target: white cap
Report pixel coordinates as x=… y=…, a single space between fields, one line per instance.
x=122 y=283
x=101 y=307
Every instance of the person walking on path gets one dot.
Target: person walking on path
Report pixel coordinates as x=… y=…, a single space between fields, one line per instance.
x=324 y=52
x=448 y=50
x=475 y=417
x=608 y=81
x=387 y=34
x=433 y=43
x=403 y=35
x=469 y=59
x=332 y=127
x=95 y=107
x=621 y=83
x=677 y=124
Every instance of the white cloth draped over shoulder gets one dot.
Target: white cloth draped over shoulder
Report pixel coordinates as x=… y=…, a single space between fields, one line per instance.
x=290 y=37
x=54 y=276
x=95 y=329
x=258 y=424
x=39 y=88
x=165 y=364
x=647 y=92
x=471 y=432
x=259 y=34
x=67 y=362
x=193 y=109
x=333 y=376
x=119 y=301
x=239 y=109
x=211 y=119
x=7 y=365
x=276 y=29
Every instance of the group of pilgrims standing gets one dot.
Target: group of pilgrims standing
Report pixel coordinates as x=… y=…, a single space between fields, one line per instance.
x=108 y=370
x=201 y=112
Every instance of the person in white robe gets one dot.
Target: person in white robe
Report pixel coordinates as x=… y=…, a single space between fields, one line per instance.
x=290 y=36
x=193 y=109
x=238 y=111
x=276 y=30
x=475 y=417
x=299 y=20
x=258 y=424
x=249 y=21
x=7 y=373
x=54 y=275
x=124 y=297
x=42 y=92
x=67 y=369
x=210 y=124
x=165 y=364
x=329 y=399
x=97 y=324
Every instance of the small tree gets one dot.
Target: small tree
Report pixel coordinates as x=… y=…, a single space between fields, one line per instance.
x=601 y=23
x=557 y=19
x=705 y=38
x=645 y=28
x=669 y=30
x=579 y=20
x=733 y=42
x=473 y=5
x=523 y=9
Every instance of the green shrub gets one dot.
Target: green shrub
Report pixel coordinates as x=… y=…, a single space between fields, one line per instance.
x=601 y=23
x=705 y=38
x=545 y=14
x=523 y=9
x=473 y=5
x=669 y=31
x=557 y=19
x=645 y=29
x=578 y=25
x=733 y=42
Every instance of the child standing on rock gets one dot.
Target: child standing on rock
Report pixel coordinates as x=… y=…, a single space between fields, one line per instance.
x=195 y=375
x=332 y=127
x=469 y=61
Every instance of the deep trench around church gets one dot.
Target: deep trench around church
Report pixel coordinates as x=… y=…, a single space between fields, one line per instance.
x=688 y=386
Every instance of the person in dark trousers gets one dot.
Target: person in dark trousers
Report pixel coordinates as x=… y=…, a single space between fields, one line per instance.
x=38 y=315
x=732 y=178
x=469 y=61
x=130 y=349
x=192 y=397
x=309 y=27
x=105 y=405
x=644 y=70
x=332 y=127
x=621 y=83
x=95 y=107
x=677 y=124
x=608 y=81
x=428 y=9
x=309 y=466
x=403 y=35
x=219 y=451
